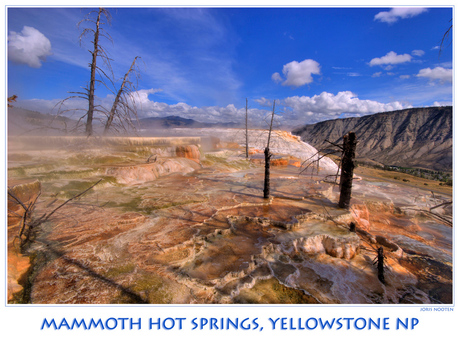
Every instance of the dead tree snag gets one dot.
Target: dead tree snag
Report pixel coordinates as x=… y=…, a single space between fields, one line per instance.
x=346 y=176
x=124 y=100
x=268 y=156
x=247 y=137
x=102 y=17
x=29 y=224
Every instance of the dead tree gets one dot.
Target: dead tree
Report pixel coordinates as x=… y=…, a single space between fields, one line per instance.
x=268 y=156
x=123 y=110
x=247 y=137
x=444 y=37
x=320 y=154
x=97 y=51
x=24 y=229
x=124 y=100
x=28 y=223
x=346 y=176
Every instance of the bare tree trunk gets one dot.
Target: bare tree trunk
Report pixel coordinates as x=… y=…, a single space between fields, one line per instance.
x=267 y=173
x=92 y=85
x=268 y=156
x=346 y=176
x=117 y=98
x=247 y=142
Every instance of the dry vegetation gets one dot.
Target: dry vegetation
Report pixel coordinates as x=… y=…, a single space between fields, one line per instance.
x=407 y=179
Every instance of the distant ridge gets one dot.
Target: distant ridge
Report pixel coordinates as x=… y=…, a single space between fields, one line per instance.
x=22 y=121
x=417 y=137
x=177 y=122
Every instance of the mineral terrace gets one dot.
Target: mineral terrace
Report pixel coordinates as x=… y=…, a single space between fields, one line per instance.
x=182 y=219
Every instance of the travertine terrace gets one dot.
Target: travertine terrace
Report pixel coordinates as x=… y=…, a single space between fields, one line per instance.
x=183 y=220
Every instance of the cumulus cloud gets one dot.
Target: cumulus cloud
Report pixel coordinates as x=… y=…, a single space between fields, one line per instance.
x=291 y=111
x=391 y=58
x=142 y=96
x=276 y=77
x=418 y=53
x=264 y=102
x=377 y=74
x=328 y=106
x=404 y=76
x=438 y=73
x=206 y=114
x=397 y=13
x=29 y=47
x=297 y=74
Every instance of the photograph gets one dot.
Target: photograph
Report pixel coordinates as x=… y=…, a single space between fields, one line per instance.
x=237 y=169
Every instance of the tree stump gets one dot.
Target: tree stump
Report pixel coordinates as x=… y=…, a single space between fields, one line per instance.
x=380 y=265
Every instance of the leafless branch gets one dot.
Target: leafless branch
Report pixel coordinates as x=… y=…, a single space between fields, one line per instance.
x=28 y=224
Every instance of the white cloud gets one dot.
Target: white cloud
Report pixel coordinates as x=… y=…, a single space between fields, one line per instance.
x=300 y=110
x=29 y=47
x=206 y=114
x=264 y=102
x=276 y=77
x=438 y=73
x=404 y=76
x=293 y=111
x=297 y=74
x=142 y=96
x=377 y=74
x=397 y=13
x=418 y=53
x=391 y=58
x=441 y=104
x=328 y=106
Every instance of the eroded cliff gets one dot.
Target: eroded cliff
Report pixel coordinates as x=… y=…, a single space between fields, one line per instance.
x=419 y=137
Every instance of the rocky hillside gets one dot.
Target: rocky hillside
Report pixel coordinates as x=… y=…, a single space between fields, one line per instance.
x=417 y=137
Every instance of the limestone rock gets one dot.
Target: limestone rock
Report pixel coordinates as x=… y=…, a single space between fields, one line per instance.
x=190 y=152
x=140 y=173
x=340 y=247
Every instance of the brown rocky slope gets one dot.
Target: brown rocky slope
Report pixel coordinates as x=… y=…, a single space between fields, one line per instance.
x=417 y=137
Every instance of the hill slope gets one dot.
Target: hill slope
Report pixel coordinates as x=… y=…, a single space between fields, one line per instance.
x=22 y=122
x=418 y=137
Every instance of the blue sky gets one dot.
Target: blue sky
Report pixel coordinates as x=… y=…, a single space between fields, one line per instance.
x=202 y=63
